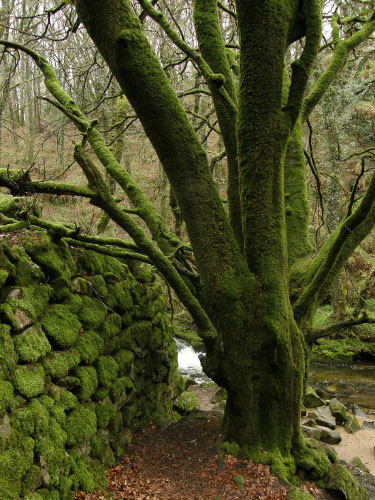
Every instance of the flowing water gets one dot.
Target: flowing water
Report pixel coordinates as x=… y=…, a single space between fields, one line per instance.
x=349 y=383
x=189 y=364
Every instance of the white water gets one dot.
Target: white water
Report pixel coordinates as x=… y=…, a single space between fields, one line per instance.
x=189 y=364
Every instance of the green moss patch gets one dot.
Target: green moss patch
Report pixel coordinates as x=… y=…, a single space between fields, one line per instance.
x=29 y=380
x=186 y=402
x=6 y=395
x=89 y=346
x=105 y=411
x=57 y=364
x=124 y=358
x=92 y=313
x=80 y=425
x=31 y=344
x=119 y=297
x=111 y=326
x=88 y=382
x=140 y=332
x=25 y=305
x=342 y=483
x=8 y=355
x=54 y=258
x=107 y=370
x=119 y=387
x=61 y=326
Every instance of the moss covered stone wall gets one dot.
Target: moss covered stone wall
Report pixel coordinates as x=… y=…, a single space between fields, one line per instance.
x=86 y=358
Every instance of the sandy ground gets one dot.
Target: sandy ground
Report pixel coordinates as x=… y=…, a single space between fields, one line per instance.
x=361 y=444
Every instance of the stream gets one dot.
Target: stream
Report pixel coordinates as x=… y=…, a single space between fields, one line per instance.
x=349 y=383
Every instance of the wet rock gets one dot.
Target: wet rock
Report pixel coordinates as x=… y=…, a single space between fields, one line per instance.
x=323 y=416
x=352 y=425
x=22 y=319
x=358 y=412
x=368 y=425
x=311 y=432
x=15 y=293
x=311 y=399
x=338 y=411
x=357 y=462
x=330 y=437
x=310 y=423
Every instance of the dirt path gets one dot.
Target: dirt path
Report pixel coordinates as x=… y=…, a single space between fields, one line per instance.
x=180 y=462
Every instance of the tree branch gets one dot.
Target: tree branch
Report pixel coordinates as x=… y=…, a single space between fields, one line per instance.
x=66 y=104
x=19 y=184
x=301 y=67
x=216 y=79
x=326 y=332
x=339 y=58
x=337 y=249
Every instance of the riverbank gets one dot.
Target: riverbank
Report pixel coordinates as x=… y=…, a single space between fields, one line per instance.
x=361 y=444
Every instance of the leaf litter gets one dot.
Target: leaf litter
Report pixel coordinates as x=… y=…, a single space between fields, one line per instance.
x=180 y=462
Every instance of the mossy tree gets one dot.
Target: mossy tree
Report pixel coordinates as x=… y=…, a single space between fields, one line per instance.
x=258 y=287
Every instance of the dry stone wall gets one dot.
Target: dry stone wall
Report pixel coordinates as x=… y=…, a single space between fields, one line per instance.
x=86 y=358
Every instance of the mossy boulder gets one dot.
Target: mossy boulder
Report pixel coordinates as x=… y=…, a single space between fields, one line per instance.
x=92 y=313
x=52 y=457
x=98 y=286
x=87 y=376
x=27 y=271
x=119 y=388
x=111 y=326
x=124 y=359
x=57 y=364
x=92 y=263
x=358 y=464
x=15 y=462
x=186 y=402
x=53 y=257
x=89 y=346
x=296 y=494
x=311 y=399
x=8 y=355
x=29 y=379
x=119 y=297
x=140 y=331
x=31 y=344
x=343 y=483
x=62 y=288
x=62 y=397
x=352 y=425
x=315 y=463
x=101 y=449
x=23 y=306
x=338 y=411
x=33 y=496
x=6 y=395
x=107 y=370
x=80 y=425
x=105 y=411
x=61 y=326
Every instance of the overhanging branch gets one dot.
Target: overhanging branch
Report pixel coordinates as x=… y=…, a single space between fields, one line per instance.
x=326 y=332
